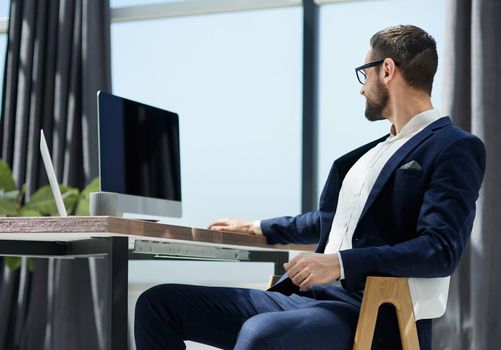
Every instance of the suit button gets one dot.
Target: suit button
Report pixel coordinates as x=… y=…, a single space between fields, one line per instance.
x=356 y=239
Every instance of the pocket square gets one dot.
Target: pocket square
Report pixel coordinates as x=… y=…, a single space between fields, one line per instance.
x=413 y=165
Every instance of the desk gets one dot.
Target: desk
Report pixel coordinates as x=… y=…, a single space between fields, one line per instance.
x=121 y=239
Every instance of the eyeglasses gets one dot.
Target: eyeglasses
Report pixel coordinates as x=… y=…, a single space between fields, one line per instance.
x=361 y=75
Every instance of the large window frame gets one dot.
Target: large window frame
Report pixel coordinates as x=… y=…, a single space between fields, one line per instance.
x=190 y=8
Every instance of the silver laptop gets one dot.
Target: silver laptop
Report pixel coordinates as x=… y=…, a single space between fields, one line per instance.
x=49 y=168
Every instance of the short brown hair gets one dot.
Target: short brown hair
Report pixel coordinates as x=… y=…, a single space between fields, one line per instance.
x=414 y=50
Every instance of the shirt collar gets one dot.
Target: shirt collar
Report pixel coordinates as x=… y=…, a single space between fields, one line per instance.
x=416 y=123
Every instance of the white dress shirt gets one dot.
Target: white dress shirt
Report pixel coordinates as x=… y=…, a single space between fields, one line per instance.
x=359 y=181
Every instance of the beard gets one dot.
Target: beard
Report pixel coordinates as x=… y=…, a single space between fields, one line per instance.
x=374 y=108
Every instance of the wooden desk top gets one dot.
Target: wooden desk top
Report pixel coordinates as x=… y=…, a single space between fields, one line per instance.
x=84 y=227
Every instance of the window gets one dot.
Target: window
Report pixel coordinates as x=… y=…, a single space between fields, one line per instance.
x=4 y=13
x=235 y=80
x=3 y=51
x=4 y=8
x=345 y=30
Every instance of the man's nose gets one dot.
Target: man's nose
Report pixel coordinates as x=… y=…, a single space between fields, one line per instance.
x=362 y=90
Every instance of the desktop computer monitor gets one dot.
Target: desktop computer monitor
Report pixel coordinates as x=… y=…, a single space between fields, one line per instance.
x=139 y=157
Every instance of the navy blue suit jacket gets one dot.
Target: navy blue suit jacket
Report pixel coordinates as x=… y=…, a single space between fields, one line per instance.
x=415 y=223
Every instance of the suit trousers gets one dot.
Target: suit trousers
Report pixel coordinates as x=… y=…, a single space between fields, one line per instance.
x=239 y=318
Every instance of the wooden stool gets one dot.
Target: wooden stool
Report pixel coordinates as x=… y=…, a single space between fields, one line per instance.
x=392 y=290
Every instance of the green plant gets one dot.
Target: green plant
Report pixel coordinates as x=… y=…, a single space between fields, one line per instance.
x=41 y=202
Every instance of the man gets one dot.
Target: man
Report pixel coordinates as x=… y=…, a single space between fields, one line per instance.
x=402 y=205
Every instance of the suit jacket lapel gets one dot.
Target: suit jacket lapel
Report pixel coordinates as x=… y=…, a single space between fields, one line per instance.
x=398 y=157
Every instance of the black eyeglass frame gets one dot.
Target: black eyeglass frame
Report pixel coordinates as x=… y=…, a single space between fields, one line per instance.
x=365 y=66
x=369 y=65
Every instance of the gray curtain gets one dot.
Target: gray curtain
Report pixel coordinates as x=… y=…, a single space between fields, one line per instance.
x=58 y=56
x=472 y=88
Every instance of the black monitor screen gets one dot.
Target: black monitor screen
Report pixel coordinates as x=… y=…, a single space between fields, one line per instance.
x=139 y=149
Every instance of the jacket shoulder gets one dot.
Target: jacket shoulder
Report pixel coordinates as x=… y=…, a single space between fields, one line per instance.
x=451 y=134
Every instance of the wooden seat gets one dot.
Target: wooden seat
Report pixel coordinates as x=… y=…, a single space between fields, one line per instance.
x=392 y=290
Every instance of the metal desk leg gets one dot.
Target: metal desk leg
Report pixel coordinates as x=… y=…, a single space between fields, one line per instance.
x=116 y=250
x=118 y=270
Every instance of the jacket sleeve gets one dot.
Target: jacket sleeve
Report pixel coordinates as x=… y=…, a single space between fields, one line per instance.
x=443 y=227
x=305 y=228
x=300 y=229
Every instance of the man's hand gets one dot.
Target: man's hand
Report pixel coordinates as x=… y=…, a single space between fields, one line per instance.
x=233 y=225
x=308 y=269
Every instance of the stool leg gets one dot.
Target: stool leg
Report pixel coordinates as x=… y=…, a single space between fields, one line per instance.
x=367 y=318
x=406 y=320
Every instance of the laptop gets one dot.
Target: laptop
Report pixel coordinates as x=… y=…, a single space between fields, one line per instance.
x=51 y=174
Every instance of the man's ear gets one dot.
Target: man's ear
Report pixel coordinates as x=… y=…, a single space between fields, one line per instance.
x=389 y=69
